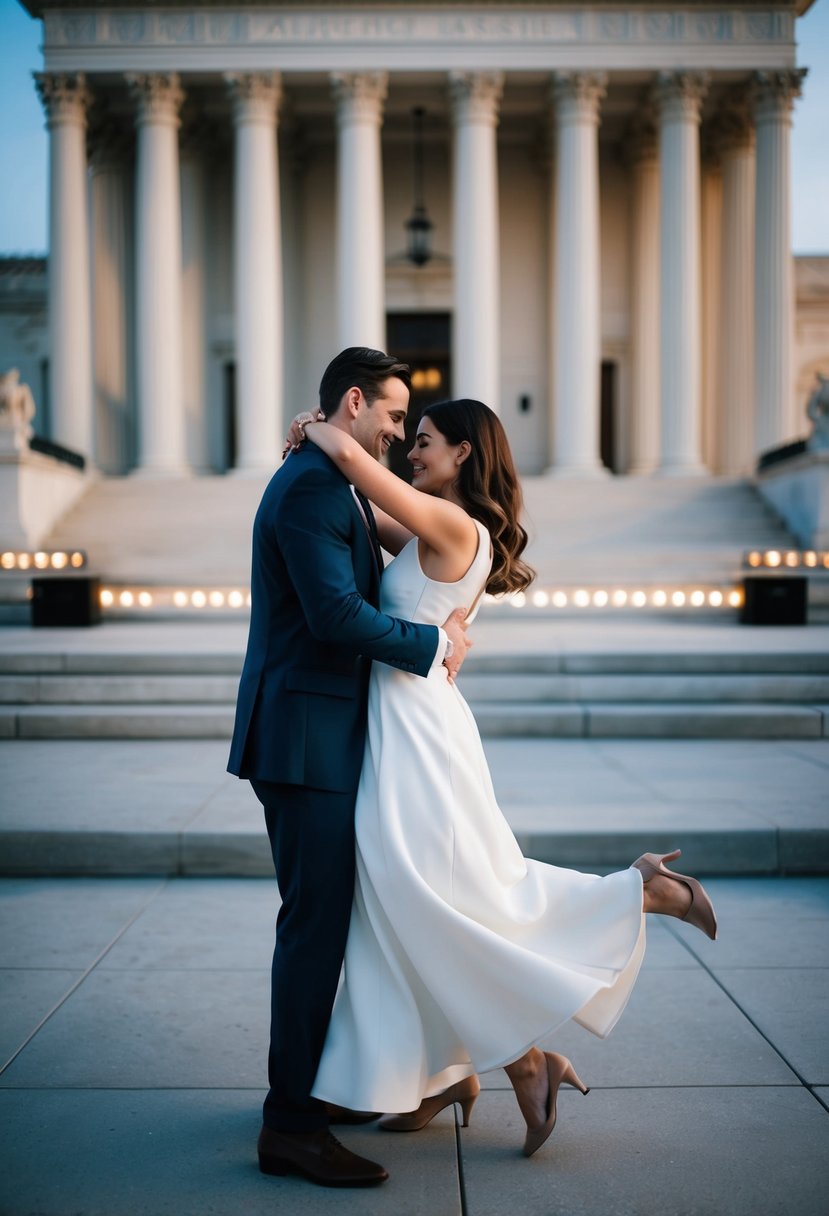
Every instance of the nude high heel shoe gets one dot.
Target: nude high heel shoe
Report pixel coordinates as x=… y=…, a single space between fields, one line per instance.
x=559 y=1069
x=464 y=1092
x=701 y=911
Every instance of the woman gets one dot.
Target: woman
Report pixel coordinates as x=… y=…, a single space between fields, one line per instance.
x=462 y=955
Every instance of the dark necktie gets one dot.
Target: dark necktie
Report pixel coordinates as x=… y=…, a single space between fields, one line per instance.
x=371 y=526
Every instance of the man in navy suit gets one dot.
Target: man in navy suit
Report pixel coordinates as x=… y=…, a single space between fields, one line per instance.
x=300 y=729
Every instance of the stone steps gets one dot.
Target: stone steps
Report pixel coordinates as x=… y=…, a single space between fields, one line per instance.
x=619 y=720
x=612 y=530
x=478 y=688
x=152 y=695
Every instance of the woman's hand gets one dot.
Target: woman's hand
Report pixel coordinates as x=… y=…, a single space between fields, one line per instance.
x=296 y=431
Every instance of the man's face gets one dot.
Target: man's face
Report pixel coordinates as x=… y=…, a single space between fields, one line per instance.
x=376 y=426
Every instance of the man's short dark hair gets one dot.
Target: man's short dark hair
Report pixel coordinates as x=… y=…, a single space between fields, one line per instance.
x=363 y=368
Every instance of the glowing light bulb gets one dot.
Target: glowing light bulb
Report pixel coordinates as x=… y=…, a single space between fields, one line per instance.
x=198 y=599
x=697 y=598
x=145 y=599
x=77 y=560
x=60 y=560
x=540 y=599
x=217 y=599
x=248 y=599
x=620 y=598
x=560 y=599
x=8 y=561
x=715 y=598
x=126 y=599
x=809 y=558
x=735 y=599
x=235 y=599
x=600 y=598
x=639 y=599
x=773 y=558
x=518 y=600
x=107 y=598
x=41 y=560
x=792 y=559
x=659 y=598
x=678 y=599
x=24 y=561
x=581 y=598
x=180 y=599
x=755 y=559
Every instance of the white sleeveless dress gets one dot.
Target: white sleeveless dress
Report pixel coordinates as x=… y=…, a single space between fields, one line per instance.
x=461 y=952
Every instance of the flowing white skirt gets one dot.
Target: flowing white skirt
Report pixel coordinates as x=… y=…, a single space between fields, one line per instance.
x=461 y=952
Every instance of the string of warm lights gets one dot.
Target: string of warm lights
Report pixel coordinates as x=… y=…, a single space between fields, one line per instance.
x=790 y=559
x=626 y=598
x=180 y=599
x=41 y=559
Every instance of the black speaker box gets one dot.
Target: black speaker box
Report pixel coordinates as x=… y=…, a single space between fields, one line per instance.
x=58 y=602
x=772 y=600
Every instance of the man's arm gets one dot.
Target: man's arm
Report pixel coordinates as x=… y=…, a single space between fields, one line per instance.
x=319 y=558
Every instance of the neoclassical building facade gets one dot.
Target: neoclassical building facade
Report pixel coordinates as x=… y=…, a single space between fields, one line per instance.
x=608 y=189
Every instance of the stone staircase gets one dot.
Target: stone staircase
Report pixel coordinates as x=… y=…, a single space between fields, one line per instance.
x=752 y=694
x=197 y=531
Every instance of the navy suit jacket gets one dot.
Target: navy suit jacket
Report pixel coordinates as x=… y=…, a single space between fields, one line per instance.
x=314 y=628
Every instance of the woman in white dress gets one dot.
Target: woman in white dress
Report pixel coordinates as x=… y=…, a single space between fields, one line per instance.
x=463 y=955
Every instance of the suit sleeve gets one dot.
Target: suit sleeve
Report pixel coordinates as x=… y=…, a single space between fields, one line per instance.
x=313 y=534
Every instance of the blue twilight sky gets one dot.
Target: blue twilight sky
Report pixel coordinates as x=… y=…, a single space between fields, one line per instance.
x=24 y=151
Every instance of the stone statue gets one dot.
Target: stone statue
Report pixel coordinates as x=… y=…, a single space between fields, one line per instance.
x=17 y=409
x=817 y=409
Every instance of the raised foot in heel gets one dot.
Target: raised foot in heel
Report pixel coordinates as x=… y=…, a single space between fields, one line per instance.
x=700 y=912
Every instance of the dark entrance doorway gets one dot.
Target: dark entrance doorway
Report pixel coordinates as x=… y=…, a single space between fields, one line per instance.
x=423 y=340
x=607 y=416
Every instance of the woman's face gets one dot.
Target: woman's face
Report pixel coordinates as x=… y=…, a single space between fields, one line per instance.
x=435 y=462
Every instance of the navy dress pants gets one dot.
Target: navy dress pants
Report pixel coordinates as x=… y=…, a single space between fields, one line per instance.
x=312 y=841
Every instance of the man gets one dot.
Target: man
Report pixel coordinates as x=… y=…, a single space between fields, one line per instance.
x=300 y=731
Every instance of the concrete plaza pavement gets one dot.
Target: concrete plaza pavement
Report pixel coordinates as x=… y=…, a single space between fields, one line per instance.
x=134 y=1033
x=135 y=970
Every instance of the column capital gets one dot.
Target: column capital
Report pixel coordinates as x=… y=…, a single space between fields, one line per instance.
x=577 y=95
x=359 y=95
x=678 y=96
x=255 y=95
x=773 y=93
x=158 y=97
x=476 y=95
x=64 y=96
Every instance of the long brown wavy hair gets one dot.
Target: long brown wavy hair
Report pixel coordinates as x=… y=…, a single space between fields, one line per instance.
x=488 y=486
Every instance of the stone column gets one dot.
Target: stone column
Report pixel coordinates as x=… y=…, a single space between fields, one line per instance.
x=710 y=228
x=577 y=344
x=112 y=295
x=360 y=245
x=643 y=153
x=735 y=432
x=195 y=141
x=161 y=431
x=65 y=99
x=678 y=98
x=475 y=239
x=774 y=94
x=257 y=271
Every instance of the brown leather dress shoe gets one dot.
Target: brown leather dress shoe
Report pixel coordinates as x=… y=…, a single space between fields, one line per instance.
x=341 y=1114
x=316 y=1155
